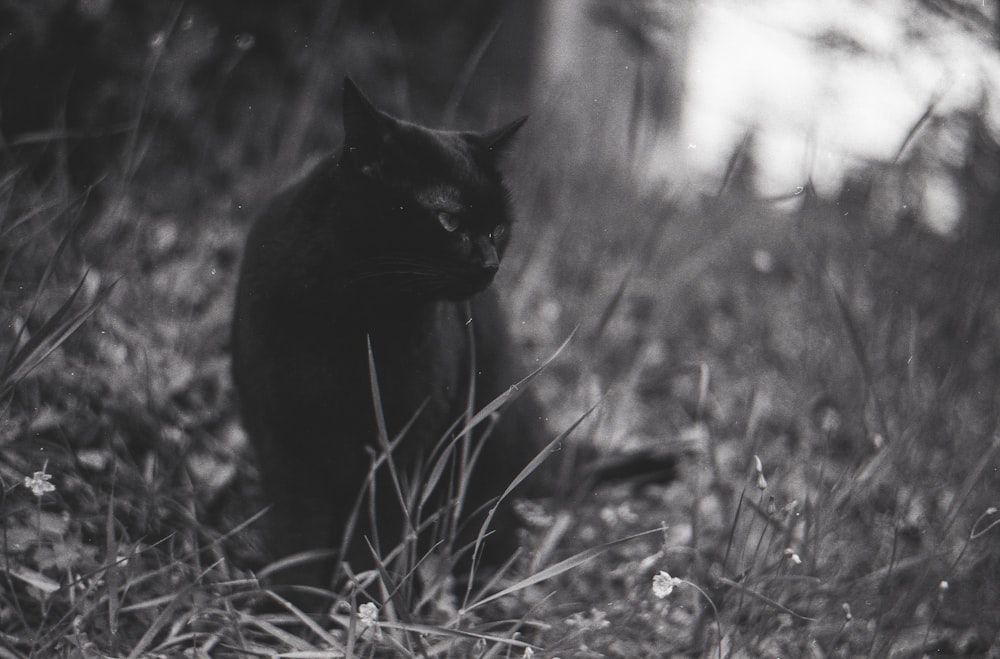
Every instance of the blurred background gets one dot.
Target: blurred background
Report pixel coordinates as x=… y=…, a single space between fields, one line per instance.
x=827 y=92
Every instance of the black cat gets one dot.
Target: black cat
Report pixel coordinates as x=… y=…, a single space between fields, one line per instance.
x=392 y=240
x=391 y=243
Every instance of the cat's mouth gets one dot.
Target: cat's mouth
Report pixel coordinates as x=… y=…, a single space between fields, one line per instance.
x=470 y=282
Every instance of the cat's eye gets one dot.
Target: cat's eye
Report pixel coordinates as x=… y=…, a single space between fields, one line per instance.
x=447 y=220
x=498 y=232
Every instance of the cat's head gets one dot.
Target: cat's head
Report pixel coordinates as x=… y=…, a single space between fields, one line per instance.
x=435 y=214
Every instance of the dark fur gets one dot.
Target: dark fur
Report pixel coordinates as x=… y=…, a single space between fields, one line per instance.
x=355 y=252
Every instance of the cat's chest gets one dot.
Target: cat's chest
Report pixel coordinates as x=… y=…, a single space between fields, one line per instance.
x=421 y=359
x=421 y=346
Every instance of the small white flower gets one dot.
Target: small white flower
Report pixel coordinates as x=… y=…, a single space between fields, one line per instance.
x=368 y=614
x=591 y=621
x=368 y=617
x=528 y=654
x=39 y=483
x=664 y=584
x=759 y=468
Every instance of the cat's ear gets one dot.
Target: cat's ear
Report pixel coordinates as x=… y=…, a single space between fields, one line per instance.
x=498 y=140
x=365 y=127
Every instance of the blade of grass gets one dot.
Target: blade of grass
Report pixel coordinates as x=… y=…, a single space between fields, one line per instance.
x=612 y=306
x=276 y=633
x=465 y=460
x=917 y=125
x=987 y=460
x=738 y=157
x=488 y=410
x=417 y=628
x=26 y=217
x=861 y=355
x=311 y=556
x=392 y=588
x=444 y=456
x=48 y=338
x=166 y=615
x=528 y=469
x=311 y=624
x=465 y=75
x=43 y=281
x=761 y=598
x=113 y=574
x=383 y=438
x=513 y=392
x=557 y=569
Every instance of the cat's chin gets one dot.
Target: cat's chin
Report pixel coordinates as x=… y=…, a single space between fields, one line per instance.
x=469 y=286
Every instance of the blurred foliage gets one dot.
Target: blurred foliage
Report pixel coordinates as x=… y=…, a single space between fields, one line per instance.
x=93 y=85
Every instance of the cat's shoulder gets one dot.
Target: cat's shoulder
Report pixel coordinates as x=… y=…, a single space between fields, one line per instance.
x=312 y=189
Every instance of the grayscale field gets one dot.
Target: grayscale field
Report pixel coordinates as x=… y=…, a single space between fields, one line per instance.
x=761 y=237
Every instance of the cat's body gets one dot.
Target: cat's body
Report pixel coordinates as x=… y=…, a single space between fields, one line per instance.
x=393 y=241
x=386 y=250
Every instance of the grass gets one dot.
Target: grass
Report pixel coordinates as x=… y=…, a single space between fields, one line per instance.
x=832 y=385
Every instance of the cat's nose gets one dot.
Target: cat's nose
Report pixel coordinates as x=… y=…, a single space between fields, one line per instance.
x=489 y=259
